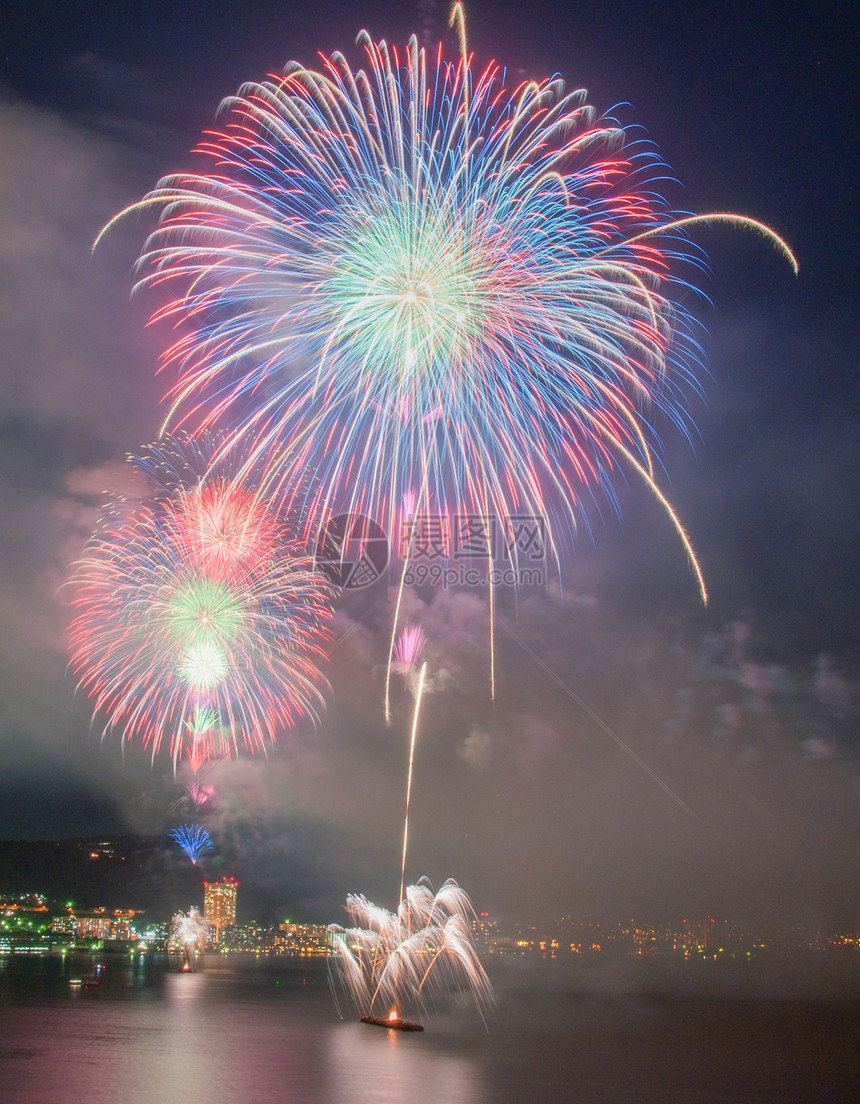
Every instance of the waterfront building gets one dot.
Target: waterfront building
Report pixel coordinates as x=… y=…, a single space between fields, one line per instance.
x=303 y=939
x=219 y=906
x=95 y=924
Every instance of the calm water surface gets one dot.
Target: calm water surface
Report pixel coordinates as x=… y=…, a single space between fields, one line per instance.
x=257 y=1034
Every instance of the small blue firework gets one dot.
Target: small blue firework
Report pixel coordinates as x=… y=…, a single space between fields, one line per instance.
x=193 y=840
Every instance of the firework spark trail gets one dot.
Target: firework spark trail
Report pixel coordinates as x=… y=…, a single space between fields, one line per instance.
x=409 y=776
x=199 y=617
x=492 y=590
x=413 y=276
x=393 y=637
x=193 y=840
x=411 y=502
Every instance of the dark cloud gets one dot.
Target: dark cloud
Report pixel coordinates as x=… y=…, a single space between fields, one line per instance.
x=52 y=807
x=76 y=393
x=620 y=768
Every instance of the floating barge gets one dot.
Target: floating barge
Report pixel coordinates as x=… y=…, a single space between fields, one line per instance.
x=392 y=1022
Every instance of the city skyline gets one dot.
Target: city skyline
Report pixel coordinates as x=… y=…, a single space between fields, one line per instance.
x=218 y=903
x=573 y=933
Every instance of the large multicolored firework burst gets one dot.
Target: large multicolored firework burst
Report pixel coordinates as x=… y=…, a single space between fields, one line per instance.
x=415 y=279
x=200 y=620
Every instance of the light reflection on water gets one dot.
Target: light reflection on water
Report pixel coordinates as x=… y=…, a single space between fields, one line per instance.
x=372 y=1065
x=270 y=1034
x=145 y=1035
x=185 y=987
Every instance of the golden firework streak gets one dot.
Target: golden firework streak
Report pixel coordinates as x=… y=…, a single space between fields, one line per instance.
x=409 y=776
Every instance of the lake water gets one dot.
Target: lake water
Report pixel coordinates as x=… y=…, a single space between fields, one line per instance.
x=270 y=1032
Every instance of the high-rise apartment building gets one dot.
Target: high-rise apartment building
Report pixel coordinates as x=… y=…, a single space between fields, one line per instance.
x=219 y=905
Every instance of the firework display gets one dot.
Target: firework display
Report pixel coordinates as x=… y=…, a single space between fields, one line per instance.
x=402 y=291
x=419 y=281
x=408 y=958
x=193 y=840
x=409 y=646
x=189 y=934
x=199 y=793
x=200 y=620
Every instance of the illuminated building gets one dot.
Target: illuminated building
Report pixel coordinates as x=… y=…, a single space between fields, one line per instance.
x=303 y=939
x=219 y=905
x=96 y=924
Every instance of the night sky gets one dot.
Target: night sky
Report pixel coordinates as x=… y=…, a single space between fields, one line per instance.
x=747 y=711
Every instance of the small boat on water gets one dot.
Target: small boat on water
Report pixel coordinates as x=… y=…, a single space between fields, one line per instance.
x=394 y=1022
